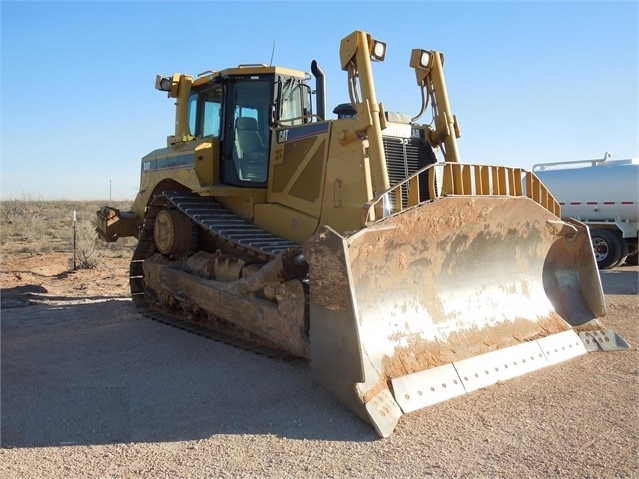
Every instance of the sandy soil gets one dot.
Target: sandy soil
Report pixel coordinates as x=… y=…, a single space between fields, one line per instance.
x=92 y=389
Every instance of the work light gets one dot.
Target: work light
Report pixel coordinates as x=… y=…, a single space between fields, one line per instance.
x=379 y=51
x=163 y=83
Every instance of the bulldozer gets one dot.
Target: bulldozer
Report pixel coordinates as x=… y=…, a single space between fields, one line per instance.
x=361 y=243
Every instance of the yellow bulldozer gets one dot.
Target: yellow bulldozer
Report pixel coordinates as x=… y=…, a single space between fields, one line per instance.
x=361 y=243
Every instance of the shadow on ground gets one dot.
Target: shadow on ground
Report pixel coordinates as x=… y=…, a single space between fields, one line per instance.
x=30 y=294
x=620 y=280
x=99 y=373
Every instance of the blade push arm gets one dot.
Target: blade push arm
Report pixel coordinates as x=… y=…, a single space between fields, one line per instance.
x=356 y=53
x=429 y=71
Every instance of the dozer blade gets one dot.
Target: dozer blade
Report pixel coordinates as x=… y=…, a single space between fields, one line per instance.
x=446 y=298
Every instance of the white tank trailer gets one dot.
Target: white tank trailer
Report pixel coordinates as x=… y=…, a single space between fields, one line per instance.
x=603 y=194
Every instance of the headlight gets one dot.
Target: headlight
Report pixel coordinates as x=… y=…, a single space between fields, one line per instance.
x=421 y=59
x=379 y=51
x=163 y=83
x=424 y=59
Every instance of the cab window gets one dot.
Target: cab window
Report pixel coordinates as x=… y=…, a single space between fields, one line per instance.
x=205 y=112
x=292 y=108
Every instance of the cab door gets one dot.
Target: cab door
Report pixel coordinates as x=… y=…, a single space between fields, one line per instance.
x=247 y=132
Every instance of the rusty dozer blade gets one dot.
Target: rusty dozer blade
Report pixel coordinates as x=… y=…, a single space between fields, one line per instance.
x=445 y=298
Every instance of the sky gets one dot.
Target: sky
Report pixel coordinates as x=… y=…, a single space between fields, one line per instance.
x=530 y=82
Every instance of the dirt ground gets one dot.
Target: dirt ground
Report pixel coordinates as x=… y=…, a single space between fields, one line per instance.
x=90 y=388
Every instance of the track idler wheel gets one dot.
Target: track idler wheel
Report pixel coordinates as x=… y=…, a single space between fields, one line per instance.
x=173 y=233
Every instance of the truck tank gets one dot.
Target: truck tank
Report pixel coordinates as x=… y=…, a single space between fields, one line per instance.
x=603 y=194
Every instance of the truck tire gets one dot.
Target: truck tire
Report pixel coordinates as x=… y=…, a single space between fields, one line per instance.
x=607 y=247
x=632 y=257
x=625 y=250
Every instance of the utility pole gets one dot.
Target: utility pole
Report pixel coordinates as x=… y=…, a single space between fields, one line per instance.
x=109 y=191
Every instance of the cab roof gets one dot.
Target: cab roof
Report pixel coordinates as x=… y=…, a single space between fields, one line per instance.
x=250 y=69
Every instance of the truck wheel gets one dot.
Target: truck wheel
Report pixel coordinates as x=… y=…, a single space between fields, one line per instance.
x=607 y=247
x=632 y=257
x=625 y=250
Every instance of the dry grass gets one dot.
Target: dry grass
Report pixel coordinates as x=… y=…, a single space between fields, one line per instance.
x=36 y=226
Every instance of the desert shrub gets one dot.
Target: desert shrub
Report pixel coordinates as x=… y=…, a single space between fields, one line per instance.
x=22 y=221
x=36 y=226
x=89 y=249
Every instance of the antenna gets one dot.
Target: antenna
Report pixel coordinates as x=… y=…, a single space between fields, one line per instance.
x=272 y=53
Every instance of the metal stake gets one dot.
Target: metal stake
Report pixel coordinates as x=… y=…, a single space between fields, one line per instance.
x=74 y=235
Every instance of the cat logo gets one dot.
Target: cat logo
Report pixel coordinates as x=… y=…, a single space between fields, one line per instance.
x=283 y=136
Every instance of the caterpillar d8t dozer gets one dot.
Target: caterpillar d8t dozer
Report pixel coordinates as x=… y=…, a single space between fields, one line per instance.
x=361 y=242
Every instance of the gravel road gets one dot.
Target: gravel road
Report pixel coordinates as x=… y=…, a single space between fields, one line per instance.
x=92 y=389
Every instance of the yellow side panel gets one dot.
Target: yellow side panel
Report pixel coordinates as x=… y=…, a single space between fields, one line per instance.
x=298 y=167
x=178 y=163
x=240 y=201
x=348 y=186
x=206 y=162
x=321 y=169
x=285 y=222
x=184 y=176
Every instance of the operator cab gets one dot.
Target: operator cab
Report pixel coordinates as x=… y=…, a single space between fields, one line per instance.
x=240 y=107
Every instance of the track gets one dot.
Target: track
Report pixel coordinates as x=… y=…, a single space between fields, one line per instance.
x=218 y=222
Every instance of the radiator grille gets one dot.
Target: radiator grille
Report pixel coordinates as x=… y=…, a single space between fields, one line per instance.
x=405 y=156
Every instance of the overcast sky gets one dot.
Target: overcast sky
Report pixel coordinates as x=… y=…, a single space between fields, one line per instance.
x=528 y=81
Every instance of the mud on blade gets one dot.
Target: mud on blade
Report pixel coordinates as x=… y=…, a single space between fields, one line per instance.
x=445 y=298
